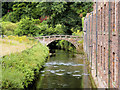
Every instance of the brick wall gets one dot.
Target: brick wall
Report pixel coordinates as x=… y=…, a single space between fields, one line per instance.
x=96 y=46
x=118 y=17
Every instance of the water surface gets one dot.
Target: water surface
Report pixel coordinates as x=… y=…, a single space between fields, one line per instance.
x=64 y=70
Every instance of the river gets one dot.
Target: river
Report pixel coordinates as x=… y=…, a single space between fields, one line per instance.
x=64 y=70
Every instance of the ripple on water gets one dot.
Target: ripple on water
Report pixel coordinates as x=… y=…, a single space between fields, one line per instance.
x=48 y=70
x=77 y=65
x=76 y=71
x=69 y=72
x=59 y=74
x=57 y=70
x=52 y=71
x=77 y=75
x=42 y=71
x=56 y=64
x=62 y=70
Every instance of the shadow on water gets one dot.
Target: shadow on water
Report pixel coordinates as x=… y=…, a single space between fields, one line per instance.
x=63 y=70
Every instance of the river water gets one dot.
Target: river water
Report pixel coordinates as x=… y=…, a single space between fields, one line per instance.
x=64 y=70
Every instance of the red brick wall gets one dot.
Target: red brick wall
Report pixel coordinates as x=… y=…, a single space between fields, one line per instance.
x=118 y=17
x=102 y=41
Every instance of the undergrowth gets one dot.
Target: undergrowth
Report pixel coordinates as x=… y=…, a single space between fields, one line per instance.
x=18 y=69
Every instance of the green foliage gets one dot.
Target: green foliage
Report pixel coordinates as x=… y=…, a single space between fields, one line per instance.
x=26 y=27
x=8 y=28
x=78 y=33
x=0 y=26
x=81 y=41
x=82 y=22
x=12 y=17
x=63 y=44
x=66 y=13
x=36 y=21
x=63 y=13
x=18 y=70
x=31 y=27
x=44 y=29
x=59 y=29
x=82 y=7
x=6 y=6
x=18 y=10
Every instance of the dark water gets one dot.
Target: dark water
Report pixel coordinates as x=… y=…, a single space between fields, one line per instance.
x=64 y=70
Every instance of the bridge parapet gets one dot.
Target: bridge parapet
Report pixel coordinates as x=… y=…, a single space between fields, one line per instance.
x=70 y=38
x=58 y=36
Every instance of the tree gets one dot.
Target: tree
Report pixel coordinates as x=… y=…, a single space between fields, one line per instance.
x=63 y=13
x=26 y=27
x=66 y=13
x=7 y=7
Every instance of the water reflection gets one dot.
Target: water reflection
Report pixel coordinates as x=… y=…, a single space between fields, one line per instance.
x=64 y=70
x=56 y=64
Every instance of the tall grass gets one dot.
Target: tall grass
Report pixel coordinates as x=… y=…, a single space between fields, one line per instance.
x=18 y=69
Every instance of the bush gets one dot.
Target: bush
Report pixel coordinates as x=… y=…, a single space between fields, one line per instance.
x=31 y=27
x=26 y=27
x=83 y=22
x=8 y=28
x=43 y=28
x=36 y=21
x=59 y=29
x=46 y=30
x=12 y=17
x=63 y=44
x=18 y=69
x=78 y=33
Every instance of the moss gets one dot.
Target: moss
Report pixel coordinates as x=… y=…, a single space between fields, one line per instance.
x=90 y=75
x=91 y=79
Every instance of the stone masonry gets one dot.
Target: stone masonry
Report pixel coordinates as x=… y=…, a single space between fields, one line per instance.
x=97 y=41
x=46 y=40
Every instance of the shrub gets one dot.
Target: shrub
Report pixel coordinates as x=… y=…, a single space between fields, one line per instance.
x=8 y=28
x=43 y=28
x=12 y=17
x=26 y=27
x=63 y=44
x=46 y=30
x=83 y=22
x=36 y=21
x=18 y=69
x=59 y=29
x=78 y=33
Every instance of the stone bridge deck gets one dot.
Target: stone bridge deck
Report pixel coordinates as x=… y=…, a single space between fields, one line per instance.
x=70 y=38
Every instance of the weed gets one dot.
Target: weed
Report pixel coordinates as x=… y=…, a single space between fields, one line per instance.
x=18 y=69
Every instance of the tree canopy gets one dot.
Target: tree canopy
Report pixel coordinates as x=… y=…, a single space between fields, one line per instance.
x=68 y=14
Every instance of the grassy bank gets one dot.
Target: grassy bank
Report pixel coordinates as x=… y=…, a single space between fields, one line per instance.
x=18 y=69
x=12 y=44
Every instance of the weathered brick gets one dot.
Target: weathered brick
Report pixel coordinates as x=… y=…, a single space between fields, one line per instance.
x=102 y=43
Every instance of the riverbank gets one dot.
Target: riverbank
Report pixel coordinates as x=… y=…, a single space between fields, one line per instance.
x=18 y=69
x=13 y=44
x=89 y=71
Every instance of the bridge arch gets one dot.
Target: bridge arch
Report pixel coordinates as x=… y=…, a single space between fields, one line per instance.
x=70 y=38
x=61 y=39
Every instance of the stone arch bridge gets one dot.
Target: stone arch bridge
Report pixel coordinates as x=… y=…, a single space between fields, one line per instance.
x=70 y=38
